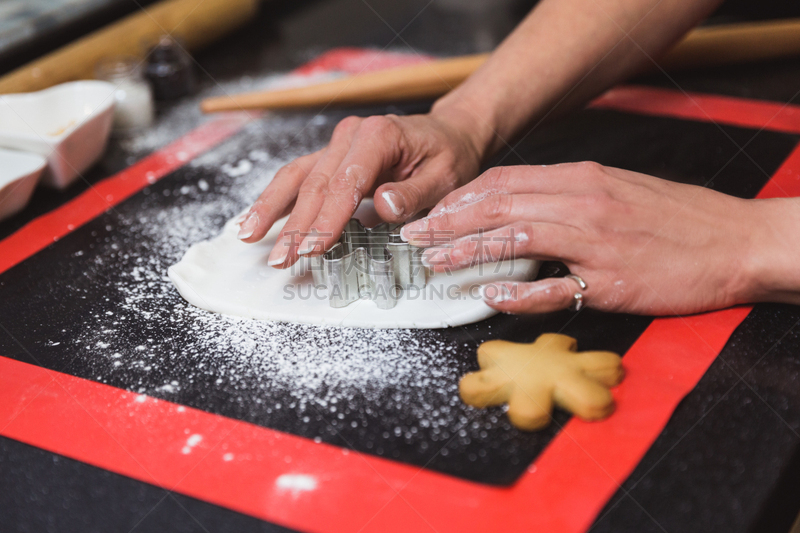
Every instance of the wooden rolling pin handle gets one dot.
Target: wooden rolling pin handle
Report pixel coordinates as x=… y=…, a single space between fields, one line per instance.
x=713 y=45
x=425 y=80
x=195 y=22
x=735 y=43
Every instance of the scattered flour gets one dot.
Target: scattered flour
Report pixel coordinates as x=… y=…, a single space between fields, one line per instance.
x=462 y=203
x=322 y=382
x=243 y=167
x=296 y=483
x=385 y=392
x=191 y=442
x=182 y=117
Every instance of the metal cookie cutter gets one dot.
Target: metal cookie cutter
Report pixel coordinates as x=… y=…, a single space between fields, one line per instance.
x=369 y=262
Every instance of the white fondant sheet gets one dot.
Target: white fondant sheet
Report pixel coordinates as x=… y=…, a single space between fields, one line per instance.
x=227 y=276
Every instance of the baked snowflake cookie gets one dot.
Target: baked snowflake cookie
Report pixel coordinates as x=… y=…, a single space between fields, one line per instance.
x=530 y=378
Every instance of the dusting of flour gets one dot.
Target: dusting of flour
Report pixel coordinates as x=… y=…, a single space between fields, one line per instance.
x=327 y=383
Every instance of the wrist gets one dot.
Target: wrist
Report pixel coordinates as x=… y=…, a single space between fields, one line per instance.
x=472 y=124
x=772 y=258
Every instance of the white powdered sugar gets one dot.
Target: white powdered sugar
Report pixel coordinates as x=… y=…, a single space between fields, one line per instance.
x=338 y=380
x=180 y=118
x=462 y=202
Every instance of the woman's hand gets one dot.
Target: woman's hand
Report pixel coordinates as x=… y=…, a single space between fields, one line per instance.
x=408 y=163
x=642 y=244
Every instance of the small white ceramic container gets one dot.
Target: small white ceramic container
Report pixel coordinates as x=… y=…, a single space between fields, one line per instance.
x=68 y=124
x=134 y=109
x=19 y=173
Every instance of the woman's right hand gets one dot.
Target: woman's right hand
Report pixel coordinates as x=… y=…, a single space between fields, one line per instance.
x=408 y=163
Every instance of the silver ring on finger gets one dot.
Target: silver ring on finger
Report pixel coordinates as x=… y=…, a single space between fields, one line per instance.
x=577 y=297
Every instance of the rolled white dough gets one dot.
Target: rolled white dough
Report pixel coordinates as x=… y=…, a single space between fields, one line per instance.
x=227 y=276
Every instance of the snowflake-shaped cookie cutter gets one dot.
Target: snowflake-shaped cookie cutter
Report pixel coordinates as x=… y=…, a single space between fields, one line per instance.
x=372 y=263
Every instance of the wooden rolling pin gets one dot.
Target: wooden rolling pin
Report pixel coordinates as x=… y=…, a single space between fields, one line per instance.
x=735 y=43
x=712 y=45
x=195 y=22
x=415 y=82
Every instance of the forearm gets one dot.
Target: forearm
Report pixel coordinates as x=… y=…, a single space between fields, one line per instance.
x=772 y=259
x=563 y=54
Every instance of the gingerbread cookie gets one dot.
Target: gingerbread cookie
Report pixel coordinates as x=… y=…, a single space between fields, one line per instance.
x=531 y=377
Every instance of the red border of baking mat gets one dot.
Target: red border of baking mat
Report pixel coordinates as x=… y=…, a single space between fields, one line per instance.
x=240 y=466
x=742 y=112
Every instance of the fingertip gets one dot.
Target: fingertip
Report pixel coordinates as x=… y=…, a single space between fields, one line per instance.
x=248 y=227
x=543 y=296
x=427 y=258
x=277 y=257
x=313 y=244
x=400 y=200
x=306 y=247
x=440 y=258
x=497 y=293
x=278 y=254
x=396 y=204
x=483 y=292
x=415 y=231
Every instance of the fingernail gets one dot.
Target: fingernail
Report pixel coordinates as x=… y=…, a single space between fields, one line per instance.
x=493 y=293
x=248 y=227
x=278 y=254
x=439 y=256
x=242 y=218
x=395 y=202
x=307 y=246
x=428 y=256
x=410 y=232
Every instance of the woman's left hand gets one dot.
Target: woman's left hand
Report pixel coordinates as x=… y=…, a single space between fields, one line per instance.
x=642 y=244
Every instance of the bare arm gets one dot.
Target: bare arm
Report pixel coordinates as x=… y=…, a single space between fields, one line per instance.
x=564 y=52
x=562 y=55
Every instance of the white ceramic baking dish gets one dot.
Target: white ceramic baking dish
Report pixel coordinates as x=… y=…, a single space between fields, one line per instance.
x=19 y=173
x=68 y=124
